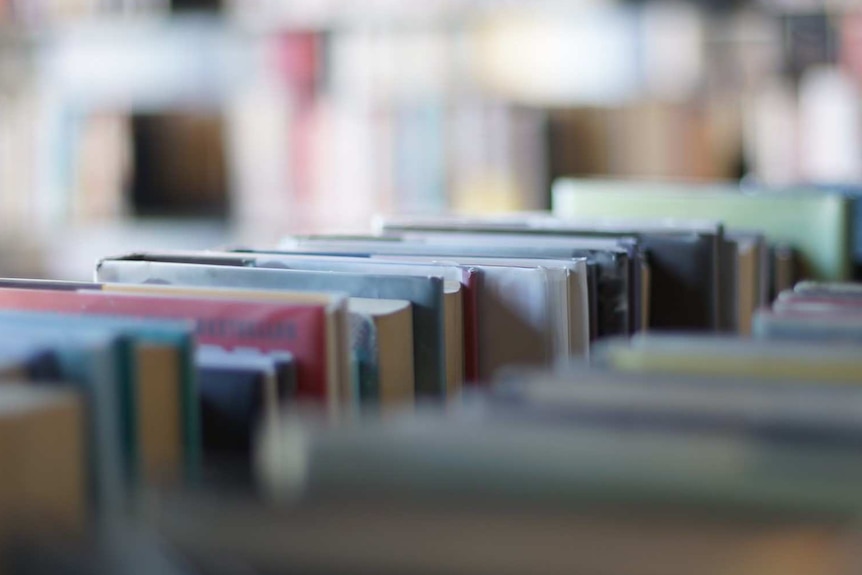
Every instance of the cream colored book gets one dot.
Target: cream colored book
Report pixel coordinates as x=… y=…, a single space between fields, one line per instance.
x=779 y=361
x=566 y=296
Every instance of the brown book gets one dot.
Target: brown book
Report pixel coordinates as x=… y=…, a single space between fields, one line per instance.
x=43 y=458
x=390 y=343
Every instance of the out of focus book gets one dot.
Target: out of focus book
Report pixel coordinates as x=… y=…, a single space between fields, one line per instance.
x=815 y=224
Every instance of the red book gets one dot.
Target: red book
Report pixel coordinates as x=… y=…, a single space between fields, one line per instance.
x=300 y=329
x=470 y=281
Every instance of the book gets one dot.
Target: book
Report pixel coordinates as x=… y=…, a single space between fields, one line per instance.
x=834 y=325
x=666 y=244
x=802 y=302
x=95 y=362
x=424 y=293
x=854 y=193
x=567 y=302
x=44 y=457
x=815 y=224
x=472 y=539
x=779 y=361
x=607 y=264
x=387 y=330
x=747 y=256
x=829 y=289
x=481 y=456
x=795 y=411
x=164 y=428
x=238 y=389
x=784 y=268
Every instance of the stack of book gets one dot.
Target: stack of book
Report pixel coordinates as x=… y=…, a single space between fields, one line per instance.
x=585 y=391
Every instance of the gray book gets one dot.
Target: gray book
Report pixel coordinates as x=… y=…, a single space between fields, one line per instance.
x=791 y=412
x=844 y=290
x=466 y=538
x=744 y=279
x=608 y=264
x=567 y=316
x=476 y=455
x=814 y=327
x=425 y=293
x=684 y=258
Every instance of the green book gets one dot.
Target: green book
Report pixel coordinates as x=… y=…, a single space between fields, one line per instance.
x=818 y=225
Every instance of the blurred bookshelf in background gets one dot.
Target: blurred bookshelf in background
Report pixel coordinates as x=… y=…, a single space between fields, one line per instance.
x=144 y=124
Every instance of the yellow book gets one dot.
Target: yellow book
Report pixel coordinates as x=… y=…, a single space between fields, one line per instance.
x=160 y=417
x=453 y=307
x=392 y=347
x=734 y=357
x=747 y=288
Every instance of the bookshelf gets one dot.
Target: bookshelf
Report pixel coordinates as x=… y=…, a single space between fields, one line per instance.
x=384 y=106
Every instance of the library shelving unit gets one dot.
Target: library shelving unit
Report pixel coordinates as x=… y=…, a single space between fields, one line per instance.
x=265 y=117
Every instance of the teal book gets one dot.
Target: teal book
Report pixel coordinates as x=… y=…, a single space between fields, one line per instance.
x=178 y=336
x=98 y=362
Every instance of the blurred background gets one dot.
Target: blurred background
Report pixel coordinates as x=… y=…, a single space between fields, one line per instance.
x=133 y=124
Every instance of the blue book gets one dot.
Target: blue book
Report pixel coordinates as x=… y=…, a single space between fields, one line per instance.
x=237 y=390
x=178 y=336
x=94 y=360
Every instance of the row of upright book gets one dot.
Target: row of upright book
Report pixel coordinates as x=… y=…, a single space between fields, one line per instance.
x=593 y=390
